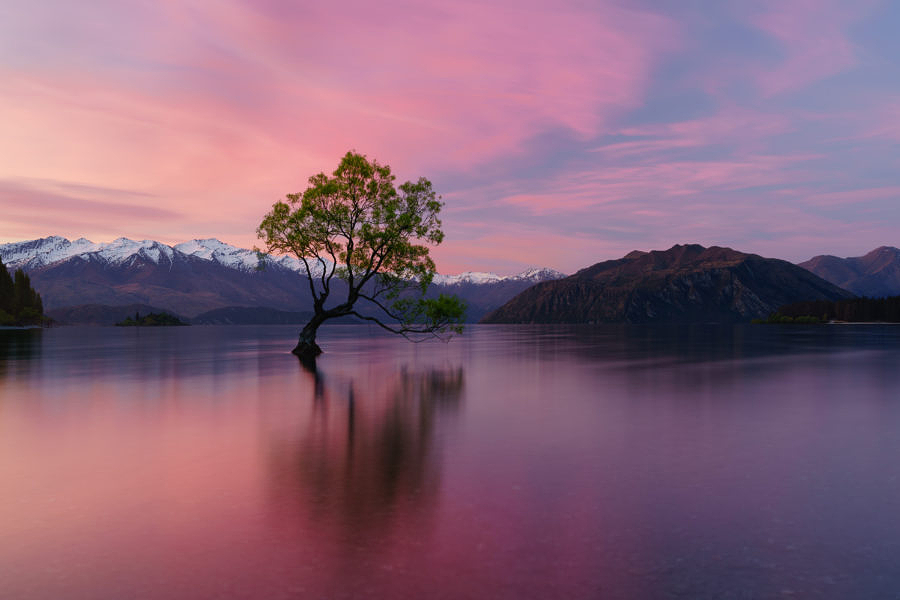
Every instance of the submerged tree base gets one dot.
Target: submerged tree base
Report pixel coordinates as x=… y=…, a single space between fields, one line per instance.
x=307 y=350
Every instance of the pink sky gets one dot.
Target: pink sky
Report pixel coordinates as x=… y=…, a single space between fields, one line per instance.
x=559 y=134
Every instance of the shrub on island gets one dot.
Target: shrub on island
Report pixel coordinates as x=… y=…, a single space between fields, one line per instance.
x=152 y=320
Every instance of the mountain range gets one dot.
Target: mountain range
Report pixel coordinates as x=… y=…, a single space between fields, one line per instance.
x=199 y=276
x=208 y=281
x=686 y=283
x=877 y=274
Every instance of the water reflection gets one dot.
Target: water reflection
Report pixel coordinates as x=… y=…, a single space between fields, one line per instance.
x=642 y=346
x=366 y=454
x=512 y=463
x=18 y=346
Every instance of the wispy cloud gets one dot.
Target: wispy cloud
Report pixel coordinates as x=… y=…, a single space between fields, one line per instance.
x=813 y=38
x=66 y=208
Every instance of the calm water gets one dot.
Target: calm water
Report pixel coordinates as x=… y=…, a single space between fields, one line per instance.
x=514 y=462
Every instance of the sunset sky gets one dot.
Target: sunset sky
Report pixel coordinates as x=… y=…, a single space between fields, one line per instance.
x=558 y=133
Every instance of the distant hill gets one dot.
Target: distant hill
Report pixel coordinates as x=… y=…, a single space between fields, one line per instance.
x=877 y=274
x=483 y=292
x=99 y=314
x=196 y=277
x=685 y=284
x=182 y=284
x=103 y=314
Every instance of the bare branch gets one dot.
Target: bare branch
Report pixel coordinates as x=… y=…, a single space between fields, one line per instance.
x=405 y=330
x=384 y=308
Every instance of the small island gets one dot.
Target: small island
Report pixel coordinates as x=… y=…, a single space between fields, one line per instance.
x=151 y=320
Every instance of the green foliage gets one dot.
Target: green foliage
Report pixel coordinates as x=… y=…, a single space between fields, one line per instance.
x=19 y=303
x=151 y=320
x=778 y=318
x=356 y=226
x=446 y=311
x=854 y=310
x=7 y=289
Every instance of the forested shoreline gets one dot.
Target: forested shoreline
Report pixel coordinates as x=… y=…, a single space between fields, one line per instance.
x=20 y=305
x=854 y=310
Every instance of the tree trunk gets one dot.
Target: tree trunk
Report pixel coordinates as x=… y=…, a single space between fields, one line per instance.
x=306 y=348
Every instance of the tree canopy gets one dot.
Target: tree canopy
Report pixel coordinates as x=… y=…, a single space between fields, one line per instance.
x=357 y=228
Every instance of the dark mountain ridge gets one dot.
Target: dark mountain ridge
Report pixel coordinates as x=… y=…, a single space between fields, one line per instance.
x=684 y=284
x=182 y=284
x=876 y=275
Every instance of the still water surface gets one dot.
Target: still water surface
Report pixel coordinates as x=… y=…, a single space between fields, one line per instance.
x=513 y=462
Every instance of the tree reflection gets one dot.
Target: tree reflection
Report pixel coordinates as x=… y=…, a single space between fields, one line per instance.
x=17 y=346
x=365 y=456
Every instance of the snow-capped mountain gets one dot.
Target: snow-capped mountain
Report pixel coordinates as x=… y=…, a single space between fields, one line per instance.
x=479 y=278
x=205 y=274
x=33 y=254
x=42 y=252
x=237 y=258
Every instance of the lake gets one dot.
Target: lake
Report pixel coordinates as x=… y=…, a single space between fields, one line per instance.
x=513 y=462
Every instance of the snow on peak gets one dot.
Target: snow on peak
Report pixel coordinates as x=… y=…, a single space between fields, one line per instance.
x=199 y=248
x=475 y=277
x=44 y=251
x=241 y=258
x=220 y=252
x=122 y=249
x=540 y=274
x=33 y=254
x=480 y=278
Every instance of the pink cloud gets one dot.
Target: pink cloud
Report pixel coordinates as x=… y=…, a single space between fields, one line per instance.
x=447 y=83
x=883 y=121
x=766 y=226
x=661 y=182
x=814 y=37
x=214 y=111
x=73 y=211
x=859 y=196
x=745 y=131
x=226 y=108
x=729 y=124
x=812 y=41
x=511 y=248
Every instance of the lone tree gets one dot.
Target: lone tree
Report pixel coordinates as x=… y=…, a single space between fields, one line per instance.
x=356 y=227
